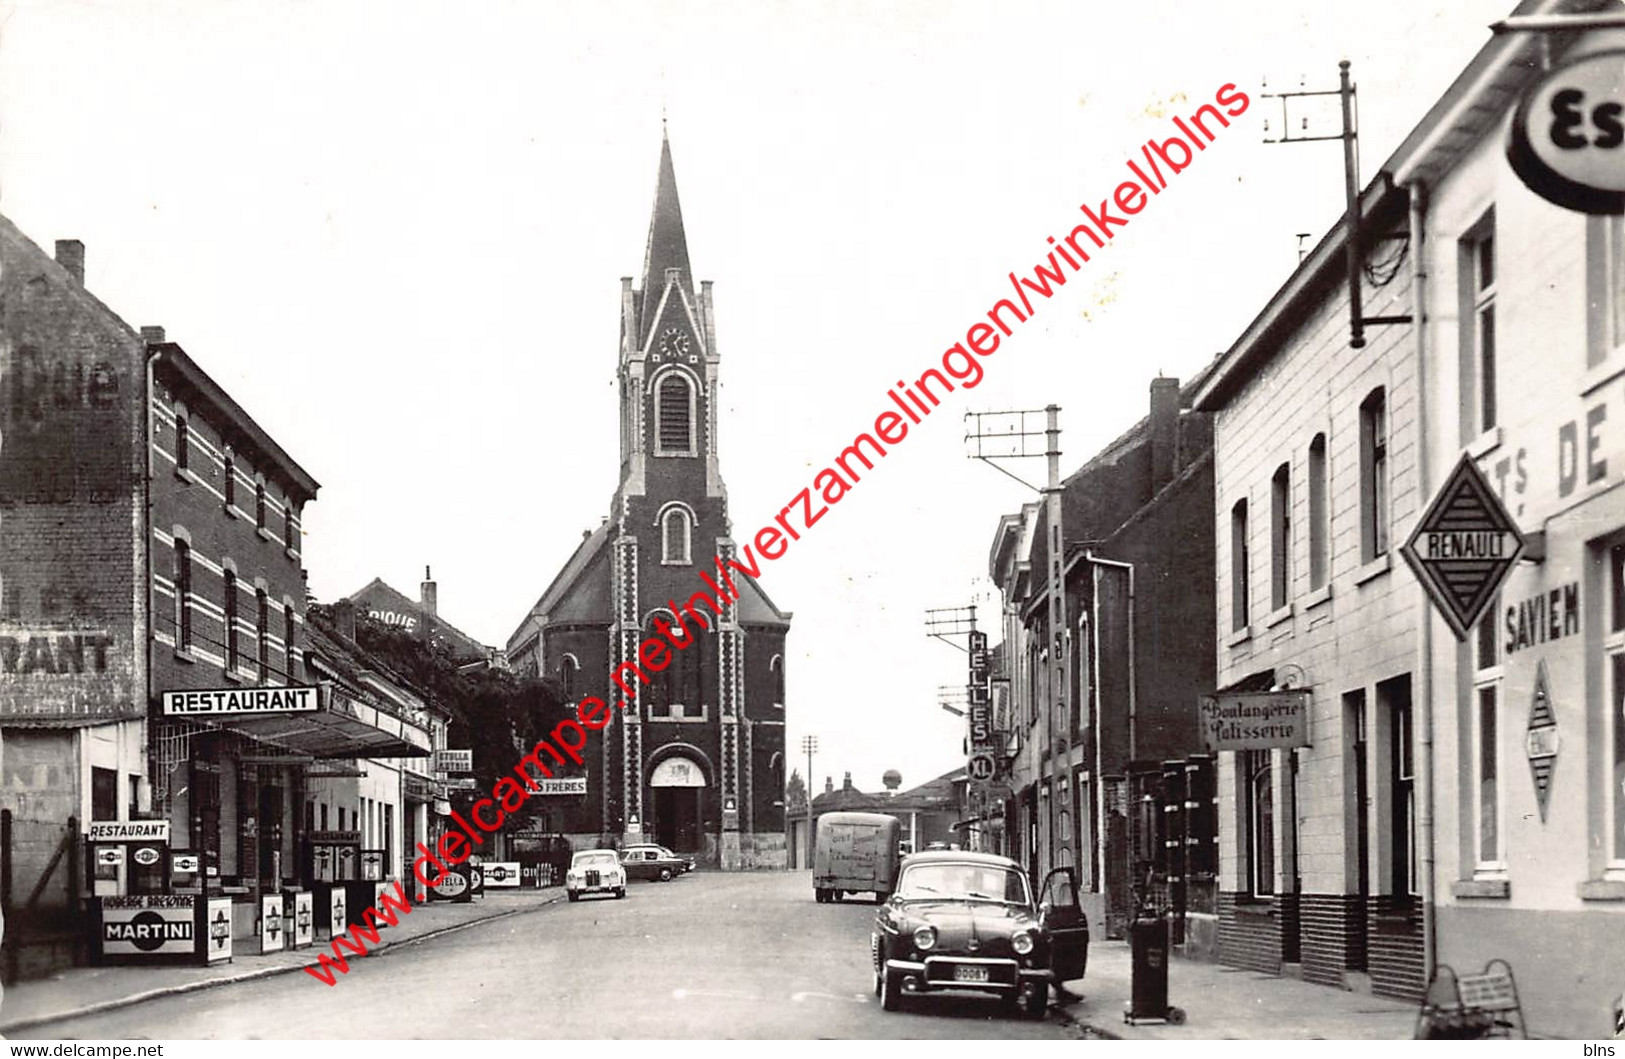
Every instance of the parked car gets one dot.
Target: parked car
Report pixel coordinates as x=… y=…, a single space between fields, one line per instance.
x=968 y=921
x=653 y=862
x=855 y=853
x=595 y=871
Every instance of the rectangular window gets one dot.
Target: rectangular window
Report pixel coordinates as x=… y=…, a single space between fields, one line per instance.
x=259 y=505
x=1489 y=801
x=1281 y=536
x=135 y=795
x=1477 y=277
x=1402 y=785
x=1605 y=282
x=1259 y=778
x=231 y=482
x=262 y=632
x=287 y=524
x=1319 y=521
x=231 y=621
x=183 y=444
x=183 y=595
x=289 y=629
x=1614 y=723
x=103 y=793
x=1238 y=567
x=1373 y=476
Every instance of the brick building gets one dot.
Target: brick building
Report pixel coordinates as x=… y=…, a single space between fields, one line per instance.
x=1138 y=635
x=697 y=760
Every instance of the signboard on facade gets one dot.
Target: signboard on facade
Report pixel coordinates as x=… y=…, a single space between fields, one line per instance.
x=71 y=408
x=453 y=761
x=1255 y=720
x=1567 y=139
x=562 y=785
x=501 y=874
x=128 y=831
x=1463 y=547
x=337 y=913
x=1541 y=742
x=238 y=702
x=153 y=925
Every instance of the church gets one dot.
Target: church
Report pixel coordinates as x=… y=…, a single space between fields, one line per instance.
x=696 y=759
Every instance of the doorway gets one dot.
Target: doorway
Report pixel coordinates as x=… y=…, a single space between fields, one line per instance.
x=677 y=786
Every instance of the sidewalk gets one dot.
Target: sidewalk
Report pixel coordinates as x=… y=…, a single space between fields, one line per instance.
x=83 y=991
x=1224 y=1003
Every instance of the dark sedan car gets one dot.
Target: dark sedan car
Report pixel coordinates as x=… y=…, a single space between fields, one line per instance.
x=968 y=921
x=653 y=862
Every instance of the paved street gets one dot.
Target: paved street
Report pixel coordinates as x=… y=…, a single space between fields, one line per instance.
x=708 y=955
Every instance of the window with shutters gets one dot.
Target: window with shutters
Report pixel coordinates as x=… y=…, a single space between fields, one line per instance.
x=674 y=415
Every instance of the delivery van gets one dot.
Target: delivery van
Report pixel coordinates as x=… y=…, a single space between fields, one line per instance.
x=855 y=853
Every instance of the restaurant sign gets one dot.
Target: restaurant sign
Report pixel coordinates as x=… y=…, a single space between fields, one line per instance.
x=239 y=702
x=129 y=831
x=1255 y=720
x=1567 y=141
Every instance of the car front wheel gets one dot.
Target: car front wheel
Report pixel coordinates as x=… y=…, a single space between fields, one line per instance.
x=1038 y=1002
x=891 y=991
x=665 y=875
x=574 y=896
x=620 y=892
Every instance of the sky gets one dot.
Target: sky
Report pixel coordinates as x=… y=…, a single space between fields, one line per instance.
x=395 y=234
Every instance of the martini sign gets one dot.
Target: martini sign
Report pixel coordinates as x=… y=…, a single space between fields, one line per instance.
x=1463 y=547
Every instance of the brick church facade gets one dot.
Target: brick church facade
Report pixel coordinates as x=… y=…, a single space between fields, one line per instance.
x=697 y=761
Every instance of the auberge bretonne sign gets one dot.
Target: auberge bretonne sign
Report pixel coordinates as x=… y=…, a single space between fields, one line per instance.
x=229 y=701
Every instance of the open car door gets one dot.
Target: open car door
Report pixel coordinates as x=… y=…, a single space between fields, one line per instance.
x=1063 y=920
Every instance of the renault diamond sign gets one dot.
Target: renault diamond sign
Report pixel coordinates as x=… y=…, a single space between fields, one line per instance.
x=1463 y=547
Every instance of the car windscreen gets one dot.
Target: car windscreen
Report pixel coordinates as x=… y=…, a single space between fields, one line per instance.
x=974 y=882
x=595 y=860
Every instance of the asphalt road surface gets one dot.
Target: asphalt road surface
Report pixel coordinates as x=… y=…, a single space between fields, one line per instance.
x=706 y=955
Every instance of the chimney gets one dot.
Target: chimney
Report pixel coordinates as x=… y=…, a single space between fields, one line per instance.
x=846 y=784
x=829 y=785
x=430 y=598
x=70 y=254
x=152 y=335
x=1164 y=432
x=344 y=619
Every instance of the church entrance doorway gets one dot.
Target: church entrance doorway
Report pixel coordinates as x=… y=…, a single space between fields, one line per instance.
x=678 y=786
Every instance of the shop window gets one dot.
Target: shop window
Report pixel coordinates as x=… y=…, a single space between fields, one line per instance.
x=675 y=532
x=103 y=793
x=231 y=621
x=1373 y=476
x=1477 y=278
x=262 y=632
x=1238 y=566
x=183 y=595
x=1319 y=514
x=674 y=414
x=1258 y=775
x=1486 y=740
x=1281 y=536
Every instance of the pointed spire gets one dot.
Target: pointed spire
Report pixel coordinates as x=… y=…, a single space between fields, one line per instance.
x=668 y=245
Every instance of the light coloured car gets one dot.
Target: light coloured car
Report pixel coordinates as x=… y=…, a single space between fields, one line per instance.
x=595 y=871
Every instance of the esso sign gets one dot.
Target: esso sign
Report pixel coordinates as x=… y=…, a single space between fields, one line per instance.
x=1568 y=134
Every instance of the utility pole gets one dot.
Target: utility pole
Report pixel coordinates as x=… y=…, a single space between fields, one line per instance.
x=809 y=743
x=1014 y=435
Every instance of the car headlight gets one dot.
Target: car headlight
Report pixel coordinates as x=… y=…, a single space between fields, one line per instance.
x=1022 y=942
x=925 y=937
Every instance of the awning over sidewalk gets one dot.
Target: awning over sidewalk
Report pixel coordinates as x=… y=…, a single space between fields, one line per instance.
x=343 y=727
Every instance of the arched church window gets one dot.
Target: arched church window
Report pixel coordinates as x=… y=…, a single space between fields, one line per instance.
x=570 y=676
x=674 y=408
x=776 y=667
x=674 y=536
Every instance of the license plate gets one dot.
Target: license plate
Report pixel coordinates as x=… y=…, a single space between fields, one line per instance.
x=963 y=973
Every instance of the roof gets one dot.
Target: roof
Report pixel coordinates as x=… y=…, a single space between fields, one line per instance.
x=174 y=359
x=1473 y=105
x=959 y=856
x=931 y=796
x=377 y=594
x=667 y=246
x=562 y=588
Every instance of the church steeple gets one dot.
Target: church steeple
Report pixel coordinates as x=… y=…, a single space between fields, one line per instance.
x=668 y=245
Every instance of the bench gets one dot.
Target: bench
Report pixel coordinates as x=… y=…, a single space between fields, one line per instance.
x=1471 y=1006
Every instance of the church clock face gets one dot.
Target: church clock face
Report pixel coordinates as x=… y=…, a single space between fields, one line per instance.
x=674 y=344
